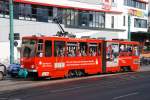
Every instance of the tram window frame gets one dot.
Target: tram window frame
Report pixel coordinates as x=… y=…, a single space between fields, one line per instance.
x=83 y=47
x=48 y=48
x=70 y=46
x=40 y=48
x=115 y=53
x=99 y=49
x=93 y=46
x=59 y=51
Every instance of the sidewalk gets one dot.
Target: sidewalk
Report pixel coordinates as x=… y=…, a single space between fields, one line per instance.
x=145 y=68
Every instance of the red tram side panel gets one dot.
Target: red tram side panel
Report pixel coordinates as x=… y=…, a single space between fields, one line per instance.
x=67 y=57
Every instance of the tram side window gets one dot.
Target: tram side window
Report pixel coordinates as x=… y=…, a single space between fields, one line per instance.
x=83 y=49
x=115 y=48
x=59 y=49
x=48 y=48
x=71 y=49
x=93 y=49
x=40 y=48
x=129 y=50
x=125 y=50
x=136 y=50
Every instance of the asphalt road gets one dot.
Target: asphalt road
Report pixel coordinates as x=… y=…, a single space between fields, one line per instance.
x=130 y=86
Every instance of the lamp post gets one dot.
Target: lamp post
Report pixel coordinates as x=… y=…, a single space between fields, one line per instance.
x=11 y=31
x=129 y=27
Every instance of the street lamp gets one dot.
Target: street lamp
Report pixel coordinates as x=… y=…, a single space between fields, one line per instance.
x=11 y=32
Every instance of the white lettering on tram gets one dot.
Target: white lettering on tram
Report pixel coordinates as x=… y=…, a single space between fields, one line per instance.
x=45 y=73
x=59 y=65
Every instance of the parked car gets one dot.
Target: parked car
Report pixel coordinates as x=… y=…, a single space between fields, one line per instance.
x=13 y=69
x=2 y=71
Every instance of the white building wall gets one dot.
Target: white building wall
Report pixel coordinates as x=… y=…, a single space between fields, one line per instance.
x=5 y=53
x=108 y=20
x=26 y=28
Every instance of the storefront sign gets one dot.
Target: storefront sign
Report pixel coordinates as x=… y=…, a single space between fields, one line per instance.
x=107 y=4
x=137 y=13
x=143 y=0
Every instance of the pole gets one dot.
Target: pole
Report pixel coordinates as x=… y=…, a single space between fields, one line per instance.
x=11 y=32
x=129 y=27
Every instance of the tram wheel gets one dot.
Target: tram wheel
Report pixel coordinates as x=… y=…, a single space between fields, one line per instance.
x=75 y=73
x=125 y=69
x=71 y=74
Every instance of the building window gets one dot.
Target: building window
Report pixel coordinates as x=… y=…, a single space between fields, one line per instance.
x=140 y=23
x=112 y=21
x=42 y=14
x=50 y=13
x=34 y=11
x=61 y=15
x=125 y=2
x=4 y=8
x=124 y=20
x=16 y=11
x=25 y=11
x=85 y=19
x=135 y=4
x=69 y=17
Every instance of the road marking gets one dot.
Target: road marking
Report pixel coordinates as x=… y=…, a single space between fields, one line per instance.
x=123 y=96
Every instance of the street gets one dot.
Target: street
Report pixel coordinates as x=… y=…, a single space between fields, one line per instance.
x=128 y=86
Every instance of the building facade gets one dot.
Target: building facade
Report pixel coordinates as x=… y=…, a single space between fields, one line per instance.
x=96 y=18
x=149 y=16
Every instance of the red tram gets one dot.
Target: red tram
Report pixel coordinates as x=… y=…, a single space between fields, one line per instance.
x=67 y=57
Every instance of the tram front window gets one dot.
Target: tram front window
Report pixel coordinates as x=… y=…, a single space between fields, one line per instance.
x=28 y=48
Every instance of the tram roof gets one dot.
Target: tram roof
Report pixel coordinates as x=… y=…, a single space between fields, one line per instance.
x=79 y=39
